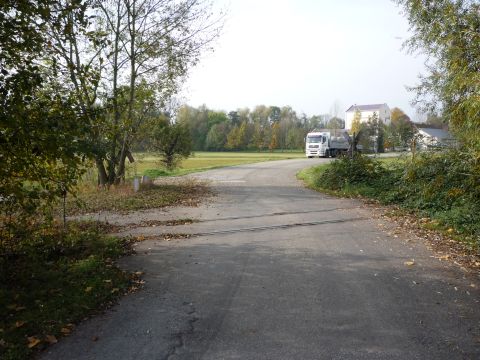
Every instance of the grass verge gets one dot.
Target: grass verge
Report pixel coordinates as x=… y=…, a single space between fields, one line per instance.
x=52 y=281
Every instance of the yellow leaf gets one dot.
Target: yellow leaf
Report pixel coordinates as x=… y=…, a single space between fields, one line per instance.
x=88 y=289
x=65 y=331
x=19 y=323
x=51 y=339
x=138 y=273
x=409 y=263
x=32 y=341
x=107 y=281
x=114 y=290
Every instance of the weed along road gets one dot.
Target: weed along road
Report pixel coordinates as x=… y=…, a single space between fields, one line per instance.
x=276 y=271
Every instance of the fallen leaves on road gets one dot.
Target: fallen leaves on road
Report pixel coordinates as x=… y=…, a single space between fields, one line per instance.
x=33 y=341
x=19 y=324
x=444 y=246
x=51 y=339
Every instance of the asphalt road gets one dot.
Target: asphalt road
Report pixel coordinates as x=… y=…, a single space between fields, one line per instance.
x=277 y=271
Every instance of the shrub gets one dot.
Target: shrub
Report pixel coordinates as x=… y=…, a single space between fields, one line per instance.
x=346 y=171
x=444 y=186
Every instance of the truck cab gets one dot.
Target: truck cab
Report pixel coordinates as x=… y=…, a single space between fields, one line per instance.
x=315 y=144
x=326 y=143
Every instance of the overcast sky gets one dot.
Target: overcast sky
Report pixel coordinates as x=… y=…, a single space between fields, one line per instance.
x=307 y=54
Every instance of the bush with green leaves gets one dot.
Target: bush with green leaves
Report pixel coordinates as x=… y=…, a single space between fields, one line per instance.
x=346 y=171
x=442 y=185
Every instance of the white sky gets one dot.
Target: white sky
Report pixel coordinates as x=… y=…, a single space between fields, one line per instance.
x=307 y=54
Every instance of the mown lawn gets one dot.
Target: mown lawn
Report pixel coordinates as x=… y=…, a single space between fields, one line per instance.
x=149 y=164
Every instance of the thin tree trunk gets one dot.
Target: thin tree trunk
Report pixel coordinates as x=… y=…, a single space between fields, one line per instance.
x=102 y=174
x=132 y=16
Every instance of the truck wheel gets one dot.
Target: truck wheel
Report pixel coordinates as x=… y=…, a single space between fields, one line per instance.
x=333 y=153
x=309 y=157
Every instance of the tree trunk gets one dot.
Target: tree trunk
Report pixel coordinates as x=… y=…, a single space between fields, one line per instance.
x=102 y=174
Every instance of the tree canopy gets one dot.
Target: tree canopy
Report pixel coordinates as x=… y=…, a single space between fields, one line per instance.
x=448 y=32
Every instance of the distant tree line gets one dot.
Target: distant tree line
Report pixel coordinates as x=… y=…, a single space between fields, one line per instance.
x=265 y=128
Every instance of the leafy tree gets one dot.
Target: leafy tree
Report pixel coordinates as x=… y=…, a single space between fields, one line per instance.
x=216 y=117
x=217 y=137
x=129 y=45
x=233 y=138
x=357 y=116
x=314 y=122
x=447 y=32
x=260 y=115
x=335 y=123
x=401 y=129
x=197 y=121
x=295 y=138
x=234 y=117
x=42 y=142
x=435 y=121
x=172 y=141
x=275 y=113
x=259 y=138
x=274 y=137
x=375 y=129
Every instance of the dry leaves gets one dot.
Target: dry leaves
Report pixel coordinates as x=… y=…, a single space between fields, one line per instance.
x=19 y=324
x=33 y=341
x=51 y=339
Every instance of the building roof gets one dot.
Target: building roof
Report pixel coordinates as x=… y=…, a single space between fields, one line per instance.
x=368 y=107
x=436 y=133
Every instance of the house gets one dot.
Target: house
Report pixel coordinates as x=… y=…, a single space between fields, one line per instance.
x=366 y=113
x=435 y=138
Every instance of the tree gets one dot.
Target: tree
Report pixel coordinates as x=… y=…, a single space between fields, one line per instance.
x=274 y=137
x=233 y=138
x=258 y=138
x=376 y=132
x=435 y=121
x=357 y=116
x=447 y=32
x=197 y=121
x=128 y=45
x=42 y=142
x=401 y=129
x=217 y=136
x=172 y=141
x=335 y=123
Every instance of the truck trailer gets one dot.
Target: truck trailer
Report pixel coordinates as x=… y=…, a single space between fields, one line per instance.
x=326 y=143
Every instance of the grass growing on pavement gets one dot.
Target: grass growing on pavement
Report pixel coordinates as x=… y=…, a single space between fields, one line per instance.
x=54 y=279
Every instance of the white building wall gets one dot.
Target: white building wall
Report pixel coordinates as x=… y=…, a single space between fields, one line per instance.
x=383 y=113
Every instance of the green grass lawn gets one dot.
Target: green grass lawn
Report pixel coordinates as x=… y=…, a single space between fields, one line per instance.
x=149 y=164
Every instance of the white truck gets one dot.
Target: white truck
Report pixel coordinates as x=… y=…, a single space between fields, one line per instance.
x=326 y=143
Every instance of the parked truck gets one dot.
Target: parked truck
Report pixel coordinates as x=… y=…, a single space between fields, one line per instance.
x=326 y=143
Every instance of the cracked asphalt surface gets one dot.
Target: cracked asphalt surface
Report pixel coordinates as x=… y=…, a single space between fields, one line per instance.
x=277 y=271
